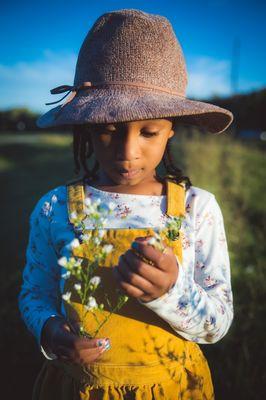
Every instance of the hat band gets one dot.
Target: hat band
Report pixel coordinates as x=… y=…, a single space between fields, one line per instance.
x=87 y=85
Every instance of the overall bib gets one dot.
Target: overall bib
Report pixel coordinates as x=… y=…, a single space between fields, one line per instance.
x=147 y=359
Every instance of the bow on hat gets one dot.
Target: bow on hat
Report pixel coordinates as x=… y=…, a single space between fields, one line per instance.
x=68 y=89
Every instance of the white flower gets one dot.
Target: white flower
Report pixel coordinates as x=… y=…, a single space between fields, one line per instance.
x=95 y=281
x=85 y=237
x=46 y=208
x=77 y=286
x=77 y=262
x=75 y=243
x=97 y=202
x=62 y=261
x=91 y=211
x=91 y=304
x=54 y=198
x=66 y=275
x=74 y=215
x=111 y=206
x=101 y=233
x=87 y=201
x=156 y=242
x=103 y=221
x=97 y=240
x=157 y=236
x=152 y=241
x=107 y=248
x=66 y=296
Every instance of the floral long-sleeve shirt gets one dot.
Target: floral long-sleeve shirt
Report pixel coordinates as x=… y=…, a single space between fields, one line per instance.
x=199 y=306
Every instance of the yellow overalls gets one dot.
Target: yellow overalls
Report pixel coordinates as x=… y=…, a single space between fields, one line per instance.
x=148 y=359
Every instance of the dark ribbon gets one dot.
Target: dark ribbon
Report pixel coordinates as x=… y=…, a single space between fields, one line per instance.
x=68 y=89
x=62 y=89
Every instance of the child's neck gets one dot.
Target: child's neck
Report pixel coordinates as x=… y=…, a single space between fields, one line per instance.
x=150 y=186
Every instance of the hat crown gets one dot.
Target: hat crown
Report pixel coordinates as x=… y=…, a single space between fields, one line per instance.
x=131 y=67
x=132 y=46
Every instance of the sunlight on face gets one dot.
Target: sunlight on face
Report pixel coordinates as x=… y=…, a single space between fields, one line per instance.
x=129 y=152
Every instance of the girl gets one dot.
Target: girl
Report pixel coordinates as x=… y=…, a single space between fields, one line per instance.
x=128 y=95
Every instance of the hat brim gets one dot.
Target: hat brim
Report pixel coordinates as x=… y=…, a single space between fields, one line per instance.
x=110 y=105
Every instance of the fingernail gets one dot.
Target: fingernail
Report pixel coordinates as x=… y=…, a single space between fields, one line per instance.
x=135 y=246
x=107 y=346
x=100 y=342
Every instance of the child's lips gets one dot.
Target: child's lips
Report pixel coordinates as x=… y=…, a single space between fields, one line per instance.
x=130 y=173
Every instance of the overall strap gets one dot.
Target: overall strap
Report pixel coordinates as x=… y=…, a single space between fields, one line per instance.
x=75 y=199
x=175 y=199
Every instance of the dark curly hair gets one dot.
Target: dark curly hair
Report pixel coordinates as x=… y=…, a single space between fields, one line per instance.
x=83 y=150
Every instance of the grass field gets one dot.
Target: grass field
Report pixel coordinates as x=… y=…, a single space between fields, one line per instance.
x=30 y=165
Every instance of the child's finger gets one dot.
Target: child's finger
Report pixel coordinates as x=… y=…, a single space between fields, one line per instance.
x=70 y=340
x=84 y=344
x=128 y=288
x=62 y=352
x=128 y=268
x=82 y=356
x=158 y=258
x=142 y=238
x=91 y=353
x=152 y=274
x=148 y=240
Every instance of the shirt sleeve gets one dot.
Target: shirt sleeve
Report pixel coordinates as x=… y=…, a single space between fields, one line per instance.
x=39 y=297
x=200 y=307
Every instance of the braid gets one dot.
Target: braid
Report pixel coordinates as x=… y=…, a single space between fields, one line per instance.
x=76 y=149
x=83 y=150
x=173 y=172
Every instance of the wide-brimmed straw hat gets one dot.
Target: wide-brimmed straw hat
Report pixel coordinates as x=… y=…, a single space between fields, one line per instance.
x=131 y=67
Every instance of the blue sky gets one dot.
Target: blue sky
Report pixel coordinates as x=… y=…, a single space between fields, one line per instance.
x=42 y=40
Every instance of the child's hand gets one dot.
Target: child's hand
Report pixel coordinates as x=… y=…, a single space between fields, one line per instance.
x=61 y=339
x=140 y=279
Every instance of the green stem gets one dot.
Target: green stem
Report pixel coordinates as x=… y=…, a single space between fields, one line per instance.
x=116 y=308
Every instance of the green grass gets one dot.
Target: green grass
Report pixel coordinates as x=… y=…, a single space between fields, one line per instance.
x=30 y=165
x=235 y=173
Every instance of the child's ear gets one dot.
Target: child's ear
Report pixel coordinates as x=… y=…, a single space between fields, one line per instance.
x=171 y=134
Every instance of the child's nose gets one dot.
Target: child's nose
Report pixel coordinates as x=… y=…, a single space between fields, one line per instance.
x=128 y=148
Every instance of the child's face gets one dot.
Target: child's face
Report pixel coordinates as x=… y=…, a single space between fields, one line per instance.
x=129 y=152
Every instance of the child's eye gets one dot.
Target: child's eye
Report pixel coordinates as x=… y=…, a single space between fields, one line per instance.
x=110 y=131
x=149 y=134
